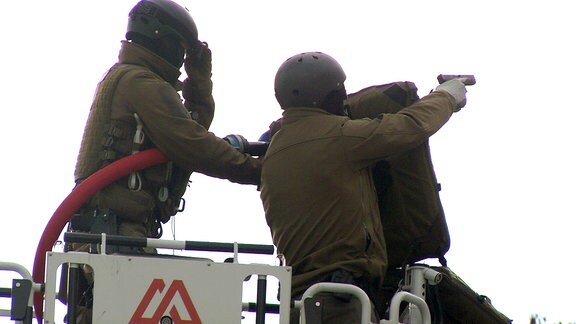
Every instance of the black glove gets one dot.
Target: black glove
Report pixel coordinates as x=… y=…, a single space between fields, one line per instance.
x=198 y=63
x=197 y=87
x=198 y=66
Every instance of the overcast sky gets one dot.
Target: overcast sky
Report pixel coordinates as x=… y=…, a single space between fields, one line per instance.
x=505 y=162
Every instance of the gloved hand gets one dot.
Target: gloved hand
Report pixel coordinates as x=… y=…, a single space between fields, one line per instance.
x=197 y=87
x=456 y=89
x=198 y=64
x=275 y=127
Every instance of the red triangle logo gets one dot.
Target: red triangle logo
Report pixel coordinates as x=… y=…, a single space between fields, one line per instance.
x=176 y=288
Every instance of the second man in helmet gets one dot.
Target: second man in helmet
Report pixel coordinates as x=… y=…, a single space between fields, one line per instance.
x=317 y=190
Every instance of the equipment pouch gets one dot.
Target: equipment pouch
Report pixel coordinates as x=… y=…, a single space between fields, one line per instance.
x=343 y=277
x=458 y=303
x=95 y=221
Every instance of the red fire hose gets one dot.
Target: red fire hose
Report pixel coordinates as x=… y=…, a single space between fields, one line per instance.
x=74 y=201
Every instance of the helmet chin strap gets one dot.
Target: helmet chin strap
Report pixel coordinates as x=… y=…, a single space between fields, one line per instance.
x=334 y=103
x=168 y=48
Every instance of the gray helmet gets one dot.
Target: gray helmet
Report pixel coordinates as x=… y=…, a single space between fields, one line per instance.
x=159 y=18
x=305 y=79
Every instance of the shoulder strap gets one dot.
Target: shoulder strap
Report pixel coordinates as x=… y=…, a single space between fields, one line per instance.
x=385 y=98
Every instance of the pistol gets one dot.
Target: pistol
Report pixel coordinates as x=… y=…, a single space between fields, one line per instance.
x=469 y=78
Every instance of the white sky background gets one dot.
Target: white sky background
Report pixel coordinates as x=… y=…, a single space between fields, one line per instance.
x=506 y=161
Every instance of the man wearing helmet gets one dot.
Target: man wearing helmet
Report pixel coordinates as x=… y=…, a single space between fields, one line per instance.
x=136 y=107
x=317 y=190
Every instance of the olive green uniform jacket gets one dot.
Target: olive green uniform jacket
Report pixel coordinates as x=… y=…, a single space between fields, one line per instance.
x=317 y=191
x=149 y=88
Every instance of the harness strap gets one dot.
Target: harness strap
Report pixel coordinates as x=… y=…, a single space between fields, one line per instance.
x=163 y=191
x=134 y=180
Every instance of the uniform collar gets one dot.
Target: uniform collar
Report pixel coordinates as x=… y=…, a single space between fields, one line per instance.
x=132 y=53
x=304 y=111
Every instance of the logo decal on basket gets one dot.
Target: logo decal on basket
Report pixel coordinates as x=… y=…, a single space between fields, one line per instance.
x=170 y=304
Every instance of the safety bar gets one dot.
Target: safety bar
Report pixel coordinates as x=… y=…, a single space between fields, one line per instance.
x=253 y=308
x=21 y=293
x=399 y=297
x=132 y=241
x=336 y=288
x=404 y=296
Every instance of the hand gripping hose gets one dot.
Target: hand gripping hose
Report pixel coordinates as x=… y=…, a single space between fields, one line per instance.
x=80 y=194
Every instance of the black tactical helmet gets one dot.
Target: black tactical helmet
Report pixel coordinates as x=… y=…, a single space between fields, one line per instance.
x=306 y=79
x=159 y=18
